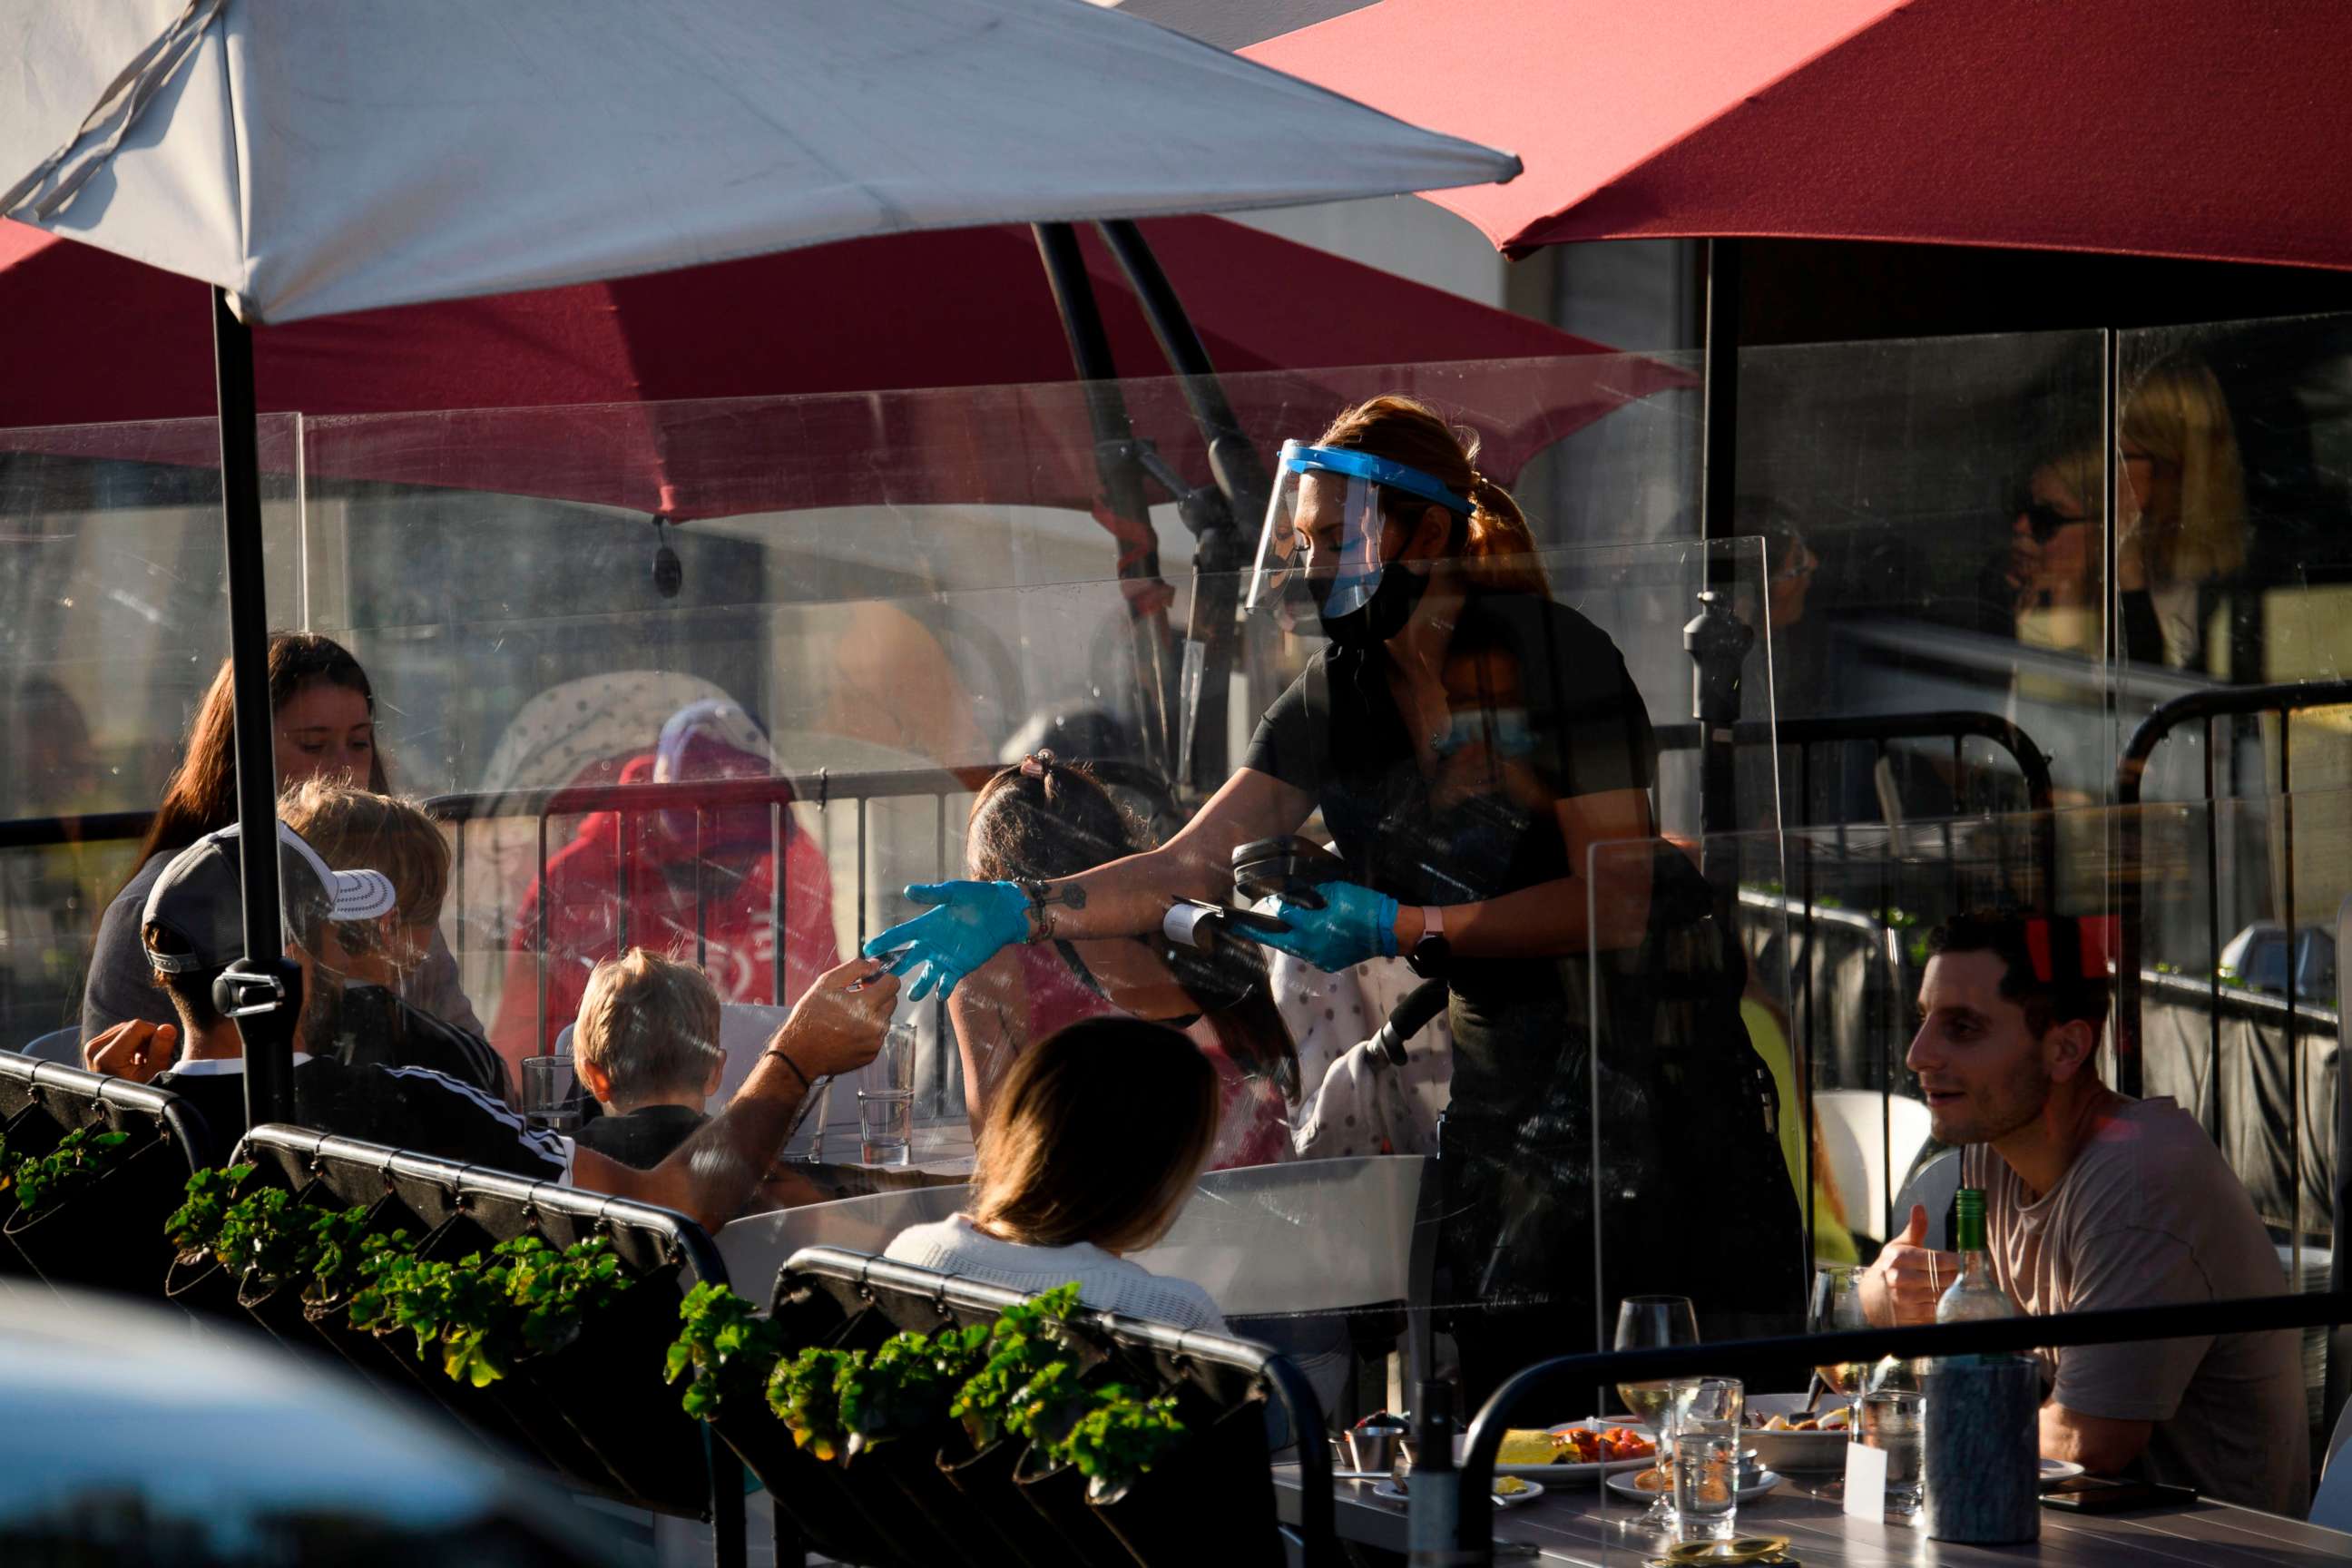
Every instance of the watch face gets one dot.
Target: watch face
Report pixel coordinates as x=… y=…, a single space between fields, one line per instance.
x=1429 y=955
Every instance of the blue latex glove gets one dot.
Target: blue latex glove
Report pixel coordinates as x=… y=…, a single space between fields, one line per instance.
x=970 y=922
x=1354 y=924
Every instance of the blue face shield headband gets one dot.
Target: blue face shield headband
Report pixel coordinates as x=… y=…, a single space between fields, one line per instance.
x=1324 y=519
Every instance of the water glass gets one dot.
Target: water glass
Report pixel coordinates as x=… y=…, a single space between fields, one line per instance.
x=1891 y=1419
x=885 y=1101
x=1700 y=1442
x=809 y=1120
x=551 y=1094
x=1706 y=1485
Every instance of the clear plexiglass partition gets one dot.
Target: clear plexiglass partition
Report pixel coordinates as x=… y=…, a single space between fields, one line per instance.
x=847 y=612
x=1951 y=1003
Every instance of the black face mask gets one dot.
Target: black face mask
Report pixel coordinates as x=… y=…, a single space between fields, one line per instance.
x=1383 y=616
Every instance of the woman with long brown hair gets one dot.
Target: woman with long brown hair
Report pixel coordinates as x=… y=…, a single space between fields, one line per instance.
x=324 y=727
x=1069 y=1180
x=1384 y=532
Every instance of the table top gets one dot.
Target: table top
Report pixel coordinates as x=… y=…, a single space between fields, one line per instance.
x=1582 y=1524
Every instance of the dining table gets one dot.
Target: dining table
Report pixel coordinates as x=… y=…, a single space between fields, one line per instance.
x=1581 y=1522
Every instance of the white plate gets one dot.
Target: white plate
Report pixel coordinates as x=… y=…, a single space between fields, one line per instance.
x=2056 y=1470
x=1580 y=1472
x=1624 y=1486
x=1388 y=1489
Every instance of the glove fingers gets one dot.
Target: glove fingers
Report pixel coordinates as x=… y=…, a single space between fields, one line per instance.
x=930 y=892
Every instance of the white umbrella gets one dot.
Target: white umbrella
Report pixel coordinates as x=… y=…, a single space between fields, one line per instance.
x=312 y=159
x=307 y=158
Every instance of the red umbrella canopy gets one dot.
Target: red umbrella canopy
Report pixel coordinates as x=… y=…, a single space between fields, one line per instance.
x=117 y=341
x=2184 y=127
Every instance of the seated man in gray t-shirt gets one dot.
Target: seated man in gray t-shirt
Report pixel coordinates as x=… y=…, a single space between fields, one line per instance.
x=2096 y=1201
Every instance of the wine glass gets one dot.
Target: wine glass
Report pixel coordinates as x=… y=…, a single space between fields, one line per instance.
x=1648 y=1322
x=1837 y=1309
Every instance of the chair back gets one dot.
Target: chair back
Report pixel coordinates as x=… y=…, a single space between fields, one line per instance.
x=1869 y=1138
x=1307 y=1236
x=1933 y=1186
x=60 y=1046
x=2331 y=1505
x=107 y=1233
x=755 y=1246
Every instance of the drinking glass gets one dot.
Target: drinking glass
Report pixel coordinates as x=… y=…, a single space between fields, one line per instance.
x=1703 y=1433
x=1836 y=1309
x=1890 y=1419
x=885 y=1101
x=816 y=1102
x=550 y=1093
x=1648 y=1322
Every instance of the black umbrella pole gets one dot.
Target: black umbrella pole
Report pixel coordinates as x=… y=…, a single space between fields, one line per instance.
x=262 y=992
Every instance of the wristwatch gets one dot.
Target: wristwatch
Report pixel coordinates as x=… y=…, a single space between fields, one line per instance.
x=1430 y=953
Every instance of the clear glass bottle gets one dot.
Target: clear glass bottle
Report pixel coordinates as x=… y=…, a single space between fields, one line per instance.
x=1976 y=1296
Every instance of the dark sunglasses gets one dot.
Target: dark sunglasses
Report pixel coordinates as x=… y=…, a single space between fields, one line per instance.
x=2042 y=519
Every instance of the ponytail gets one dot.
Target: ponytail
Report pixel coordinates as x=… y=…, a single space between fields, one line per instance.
x=1494 y=546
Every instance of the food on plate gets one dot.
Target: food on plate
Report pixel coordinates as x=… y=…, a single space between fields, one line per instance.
x=1583 y=1446
x=1525 y=1447
x=1509 y=1486
x=1827 y=1421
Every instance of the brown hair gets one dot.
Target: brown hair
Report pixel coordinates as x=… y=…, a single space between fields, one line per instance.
x=1494 y=544
x=1045 y=819
x=201 y=795
x=355 y=829
x=1096 y=1134
x=648 y=1023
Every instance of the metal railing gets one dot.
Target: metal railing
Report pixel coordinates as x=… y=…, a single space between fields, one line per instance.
x=2126 y=898
x=824 y=789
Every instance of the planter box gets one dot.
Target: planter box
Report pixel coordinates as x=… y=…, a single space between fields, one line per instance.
x=1058 y=1494
x=1161 y=1519
x=828 y=1517
x=106 y=1233
x=606 y=1386
x=984 y=1483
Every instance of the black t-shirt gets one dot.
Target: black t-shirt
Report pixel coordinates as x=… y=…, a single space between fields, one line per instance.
x=1337 y=734
x=642 y=1138
x=406 y=1108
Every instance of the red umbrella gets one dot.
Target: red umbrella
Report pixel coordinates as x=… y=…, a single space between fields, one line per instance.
x=117 y=341
x=2180 y=127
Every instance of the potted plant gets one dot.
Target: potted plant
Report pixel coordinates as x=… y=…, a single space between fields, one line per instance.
x=894 y=1406
x=197 y=1278
x=1148 y=1459
x=585 y=1333
x=93 y=1181
x=438 y=1310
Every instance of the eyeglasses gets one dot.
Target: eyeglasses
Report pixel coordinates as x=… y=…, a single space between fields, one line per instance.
x=2043 y=520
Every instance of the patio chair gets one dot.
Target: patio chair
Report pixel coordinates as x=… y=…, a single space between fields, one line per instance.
x=930 y=1501
x=1870 y=1139
x=595 y=1410
x=1934 y=1186
x=60 y=1046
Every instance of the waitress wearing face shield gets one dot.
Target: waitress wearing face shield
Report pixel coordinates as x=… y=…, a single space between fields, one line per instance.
x=1446 y=665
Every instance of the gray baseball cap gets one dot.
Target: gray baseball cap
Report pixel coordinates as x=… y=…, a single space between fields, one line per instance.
x=195 y=916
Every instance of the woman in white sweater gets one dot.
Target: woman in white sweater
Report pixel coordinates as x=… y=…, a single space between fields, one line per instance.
x=1094 y=1139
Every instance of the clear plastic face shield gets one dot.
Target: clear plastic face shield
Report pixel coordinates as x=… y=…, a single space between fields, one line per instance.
x=1323 y=533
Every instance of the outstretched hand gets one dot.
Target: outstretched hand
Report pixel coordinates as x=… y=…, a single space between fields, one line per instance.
x=1354 y=924
x=836 y=1025
x=968 y=923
